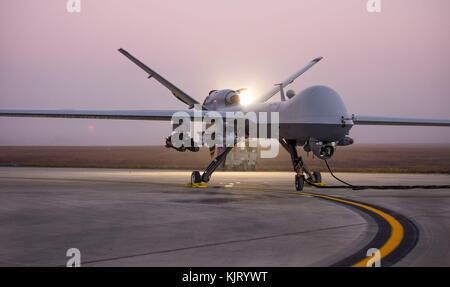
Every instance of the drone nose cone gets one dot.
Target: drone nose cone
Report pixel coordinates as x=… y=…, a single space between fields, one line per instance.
x=317 y=104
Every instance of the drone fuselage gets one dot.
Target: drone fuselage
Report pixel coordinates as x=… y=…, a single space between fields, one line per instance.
x=316 y=113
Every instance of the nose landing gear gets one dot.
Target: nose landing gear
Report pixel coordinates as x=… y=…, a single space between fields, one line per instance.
x=299 y=166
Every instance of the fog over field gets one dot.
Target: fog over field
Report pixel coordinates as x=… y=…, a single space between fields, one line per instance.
x=412 y=158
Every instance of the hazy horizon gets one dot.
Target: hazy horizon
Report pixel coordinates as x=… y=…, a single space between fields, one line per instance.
x=393 y=63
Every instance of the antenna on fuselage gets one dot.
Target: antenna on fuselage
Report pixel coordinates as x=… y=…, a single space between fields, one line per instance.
x=283 y=98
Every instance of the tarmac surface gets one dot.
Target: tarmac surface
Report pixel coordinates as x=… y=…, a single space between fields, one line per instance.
x=119 y=217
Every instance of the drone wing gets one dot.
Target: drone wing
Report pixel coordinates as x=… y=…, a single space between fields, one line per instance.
x=397 y=121
x=148 y=115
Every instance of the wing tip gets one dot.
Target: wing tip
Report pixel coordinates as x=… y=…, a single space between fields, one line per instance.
x=123 y=51
x=317 y=59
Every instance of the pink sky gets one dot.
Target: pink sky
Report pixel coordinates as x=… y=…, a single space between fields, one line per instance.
x=396 y=62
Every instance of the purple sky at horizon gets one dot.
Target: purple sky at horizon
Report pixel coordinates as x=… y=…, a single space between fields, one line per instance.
x=393 y=63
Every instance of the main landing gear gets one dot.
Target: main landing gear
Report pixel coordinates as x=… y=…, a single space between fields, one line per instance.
x=197 y=179
x=303 y=174
x=299 y=166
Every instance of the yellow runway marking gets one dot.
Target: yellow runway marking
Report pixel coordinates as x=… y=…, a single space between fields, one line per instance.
x=198 y=185
x=397 y=231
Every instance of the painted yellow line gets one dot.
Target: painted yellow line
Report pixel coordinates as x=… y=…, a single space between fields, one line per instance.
x=397 y=231
x=197 y=185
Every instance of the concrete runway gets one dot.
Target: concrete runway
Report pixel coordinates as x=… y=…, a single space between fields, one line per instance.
x=151 y=218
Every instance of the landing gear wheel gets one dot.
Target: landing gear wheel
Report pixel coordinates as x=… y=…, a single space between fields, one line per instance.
x=317 y=177
x=299 y=182
x=196 y=177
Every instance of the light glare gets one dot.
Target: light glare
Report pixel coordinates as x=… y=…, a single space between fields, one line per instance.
x=246 y=97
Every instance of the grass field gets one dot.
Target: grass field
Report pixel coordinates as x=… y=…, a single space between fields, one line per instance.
x=410 y=158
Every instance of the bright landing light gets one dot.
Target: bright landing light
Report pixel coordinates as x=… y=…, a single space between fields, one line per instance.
x=245 y=97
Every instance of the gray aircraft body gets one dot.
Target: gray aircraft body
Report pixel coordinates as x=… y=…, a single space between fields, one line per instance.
x=315 y=119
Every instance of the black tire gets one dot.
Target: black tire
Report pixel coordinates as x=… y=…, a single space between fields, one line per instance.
x=317 y=177
x=196 y=177
x=299 y=182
